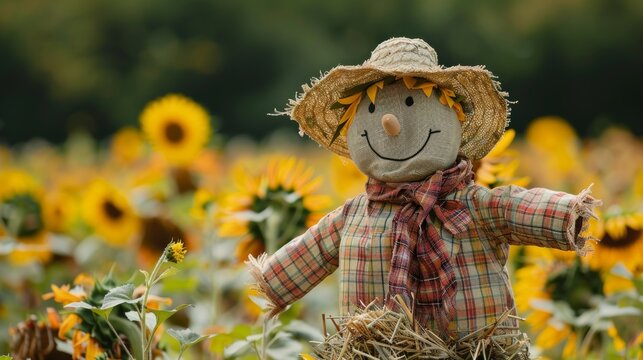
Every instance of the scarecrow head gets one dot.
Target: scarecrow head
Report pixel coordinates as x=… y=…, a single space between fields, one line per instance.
x=400 y=116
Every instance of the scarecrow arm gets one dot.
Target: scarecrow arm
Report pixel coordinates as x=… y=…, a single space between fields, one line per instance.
x=300 y=265
x=538 y=217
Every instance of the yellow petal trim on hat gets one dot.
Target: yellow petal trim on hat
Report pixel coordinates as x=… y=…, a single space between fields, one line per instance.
x=446 y=97
x=459 y=111
x=426 y=87
x=372 y=90
x=350 y=99
x=409 y=81
x=349 y=115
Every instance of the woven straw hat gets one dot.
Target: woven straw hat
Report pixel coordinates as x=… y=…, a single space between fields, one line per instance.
x=485 y=105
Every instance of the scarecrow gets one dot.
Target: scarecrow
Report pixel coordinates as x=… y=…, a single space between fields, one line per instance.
x=422 y=231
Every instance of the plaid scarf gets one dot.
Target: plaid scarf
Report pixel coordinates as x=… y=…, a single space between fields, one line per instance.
x=420 y=267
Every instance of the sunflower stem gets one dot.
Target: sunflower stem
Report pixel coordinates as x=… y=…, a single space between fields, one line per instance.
x=264 y=339
x=149 y=282
x=119 y=339
x=292 y=225
x=272 y=231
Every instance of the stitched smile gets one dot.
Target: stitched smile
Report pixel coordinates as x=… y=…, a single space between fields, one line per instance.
x=431 y=132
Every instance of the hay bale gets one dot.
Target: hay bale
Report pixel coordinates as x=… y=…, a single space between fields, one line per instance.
x=379 y=333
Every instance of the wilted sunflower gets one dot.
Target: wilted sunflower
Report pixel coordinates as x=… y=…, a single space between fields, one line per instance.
x=621 y=240
x=110 y=213
x=177 y=127
x=270 y=209
x=21 y=217
x=499 y=166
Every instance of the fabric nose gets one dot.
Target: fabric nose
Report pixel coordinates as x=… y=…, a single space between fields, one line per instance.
x=391 y=125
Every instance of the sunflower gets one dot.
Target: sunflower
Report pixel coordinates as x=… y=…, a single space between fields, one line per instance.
x=547 y=281
x=177 y=127
x=621 y=240
x=271 y=208
x=60 y=210
x=21 y=217
x=201 y=205
x=156 y=233
x=346 y=178
x=110 y=213
x=127 y=145
x=498 y=167
x=175 y=252
x=552 y=152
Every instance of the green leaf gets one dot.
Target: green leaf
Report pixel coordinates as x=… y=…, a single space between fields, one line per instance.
x=132 y=316
x=150 y=319
x=79 y=305
x=119 y=295
x=221 y=342
x=304 y=331
x=104 y=313
x=162 y=315
x=187 y=337
x=171 y=271
x=610 y=311
x=184 y=336
x=237 y=349
x=5 y=357
x=283 y=346
x=132 y=332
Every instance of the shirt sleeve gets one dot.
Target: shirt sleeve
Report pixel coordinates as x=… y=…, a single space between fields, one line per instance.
x=296 y=268
x=538 y=217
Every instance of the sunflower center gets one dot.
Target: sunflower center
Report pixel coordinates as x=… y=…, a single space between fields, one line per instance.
x=631 y=236
x=174 y=133
x=112 y=211
x=22 y=215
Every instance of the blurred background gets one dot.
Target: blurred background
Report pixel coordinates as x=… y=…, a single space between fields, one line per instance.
x=125 y=125
x=92 y=65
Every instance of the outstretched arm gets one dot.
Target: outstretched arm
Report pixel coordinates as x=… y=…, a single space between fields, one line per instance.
x=538 y=217
x=300 y=265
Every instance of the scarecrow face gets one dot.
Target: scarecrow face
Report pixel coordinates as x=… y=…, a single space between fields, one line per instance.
x=404 y=136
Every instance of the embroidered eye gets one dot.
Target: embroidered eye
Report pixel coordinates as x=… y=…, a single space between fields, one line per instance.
x=409 y=101
x=371 y=108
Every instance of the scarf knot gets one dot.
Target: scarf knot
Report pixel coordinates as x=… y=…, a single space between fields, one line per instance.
x=421 y=270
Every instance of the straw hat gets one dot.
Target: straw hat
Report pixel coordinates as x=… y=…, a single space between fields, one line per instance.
x=485 y=105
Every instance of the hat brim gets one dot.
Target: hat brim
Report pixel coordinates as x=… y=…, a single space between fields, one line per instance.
x=485 y=105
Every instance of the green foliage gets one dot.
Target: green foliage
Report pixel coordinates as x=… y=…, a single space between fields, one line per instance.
x=275 y=340
x=241 y=60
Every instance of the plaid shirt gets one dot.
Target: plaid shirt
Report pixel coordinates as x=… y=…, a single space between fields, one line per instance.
x=501 y=217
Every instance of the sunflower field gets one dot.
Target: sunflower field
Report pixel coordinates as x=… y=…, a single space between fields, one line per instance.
x=147 y=233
